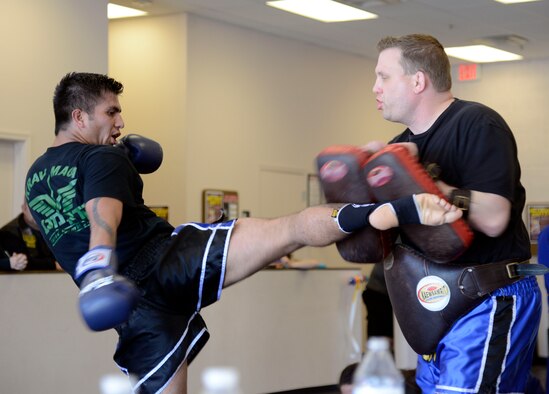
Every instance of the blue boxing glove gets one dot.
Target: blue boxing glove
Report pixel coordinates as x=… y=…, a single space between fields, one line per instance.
x=106 y=299
x=145 y=154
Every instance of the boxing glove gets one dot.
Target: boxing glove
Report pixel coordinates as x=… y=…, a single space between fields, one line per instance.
x=145 y=154
x=106 y=299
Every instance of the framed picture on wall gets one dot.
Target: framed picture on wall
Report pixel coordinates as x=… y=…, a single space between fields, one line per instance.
x=537 y=218
x=216 y=203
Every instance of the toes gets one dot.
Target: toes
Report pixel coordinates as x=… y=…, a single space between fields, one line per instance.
x=452 y=216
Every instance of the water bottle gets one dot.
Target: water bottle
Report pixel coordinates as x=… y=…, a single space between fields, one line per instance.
x=377 y=372
x=220 y=380
x=115 y=384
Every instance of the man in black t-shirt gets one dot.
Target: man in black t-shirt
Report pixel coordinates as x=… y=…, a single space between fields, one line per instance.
x=490 y=348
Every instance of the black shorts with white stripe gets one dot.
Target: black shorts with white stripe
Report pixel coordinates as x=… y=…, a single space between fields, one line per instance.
x=166 y=328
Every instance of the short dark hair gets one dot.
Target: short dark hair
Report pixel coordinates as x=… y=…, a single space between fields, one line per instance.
x=80 y=90
x=421 y=52
x=346 y=376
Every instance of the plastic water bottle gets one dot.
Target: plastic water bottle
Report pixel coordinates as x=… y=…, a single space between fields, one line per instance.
x=115 y=384
x=220 y=380
x=377 y=372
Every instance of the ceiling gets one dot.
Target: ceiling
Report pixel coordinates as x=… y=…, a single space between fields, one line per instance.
x=519 y=28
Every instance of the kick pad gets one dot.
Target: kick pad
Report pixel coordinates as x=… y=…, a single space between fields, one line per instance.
x=392 y=173
x=426 y=297
x=340 y=173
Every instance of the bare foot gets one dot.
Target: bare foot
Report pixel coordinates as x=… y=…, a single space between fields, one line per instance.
x=434 y=211
x=383 y=218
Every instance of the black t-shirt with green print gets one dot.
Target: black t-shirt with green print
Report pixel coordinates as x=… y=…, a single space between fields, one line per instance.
x=65 y=177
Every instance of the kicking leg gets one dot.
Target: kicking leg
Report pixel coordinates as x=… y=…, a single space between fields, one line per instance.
x=255 y=243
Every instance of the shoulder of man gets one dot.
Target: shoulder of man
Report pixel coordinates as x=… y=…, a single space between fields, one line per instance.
x=105 y=153
x=473 y=108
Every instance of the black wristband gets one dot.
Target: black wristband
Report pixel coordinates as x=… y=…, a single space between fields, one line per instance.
x=352 y=217
x=461 y=198
x=406 y=210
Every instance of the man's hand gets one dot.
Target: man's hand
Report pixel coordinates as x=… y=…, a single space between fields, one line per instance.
x=145 y=154
x=18 y=261
x=374 y=146
x=106 y=299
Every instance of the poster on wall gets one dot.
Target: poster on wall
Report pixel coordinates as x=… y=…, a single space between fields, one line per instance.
x=216 y=203
x=537 y=218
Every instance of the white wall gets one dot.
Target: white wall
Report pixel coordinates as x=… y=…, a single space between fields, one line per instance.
x=45 y=346
x=41 y=41
x=259 y=100
x=149 y=56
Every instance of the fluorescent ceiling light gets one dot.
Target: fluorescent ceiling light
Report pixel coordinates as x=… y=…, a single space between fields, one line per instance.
x=115 y=11
x=481 y=54
x=322 y=10
x=515 y=1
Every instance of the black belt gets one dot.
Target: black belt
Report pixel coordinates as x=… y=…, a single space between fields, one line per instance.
x=478 y=280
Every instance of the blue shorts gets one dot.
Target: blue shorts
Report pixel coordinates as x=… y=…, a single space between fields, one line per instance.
x=166 y=328
x=490 y=349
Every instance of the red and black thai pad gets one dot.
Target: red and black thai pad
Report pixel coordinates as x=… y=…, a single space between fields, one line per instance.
x=392 y=173
x=340 y=173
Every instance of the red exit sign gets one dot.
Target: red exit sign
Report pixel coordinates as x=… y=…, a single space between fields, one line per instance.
x=468 y=72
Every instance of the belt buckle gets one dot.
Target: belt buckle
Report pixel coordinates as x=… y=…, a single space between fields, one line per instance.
x=512 y=270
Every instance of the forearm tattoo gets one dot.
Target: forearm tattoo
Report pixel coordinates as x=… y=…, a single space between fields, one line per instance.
x=99 y=221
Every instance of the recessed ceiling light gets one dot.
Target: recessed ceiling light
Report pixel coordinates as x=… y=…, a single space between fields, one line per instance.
x=481 y=54
x=115 y=11
x=322 y=10
x=515 y=1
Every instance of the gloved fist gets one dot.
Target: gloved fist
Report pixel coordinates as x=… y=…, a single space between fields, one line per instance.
x=95 y=258
x=145 y=154
x=106 y=299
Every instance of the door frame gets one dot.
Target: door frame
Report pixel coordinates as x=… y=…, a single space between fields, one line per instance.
x=21 y=157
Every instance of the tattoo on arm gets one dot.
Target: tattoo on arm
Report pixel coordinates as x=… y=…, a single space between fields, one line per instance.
x=99 y=221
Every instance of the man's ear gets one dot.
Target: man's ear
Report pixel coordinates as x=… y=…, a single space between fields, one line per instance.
x=78 y=117
x=420 y=81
